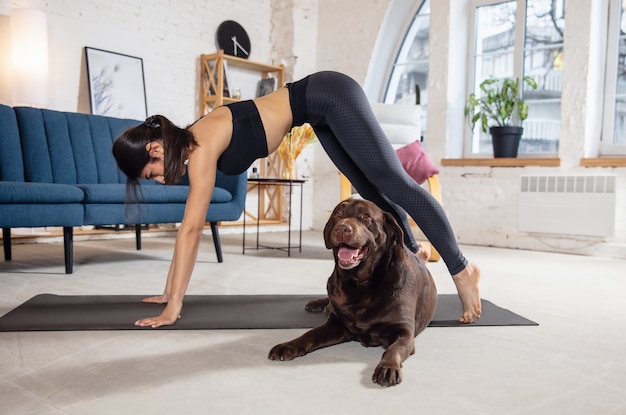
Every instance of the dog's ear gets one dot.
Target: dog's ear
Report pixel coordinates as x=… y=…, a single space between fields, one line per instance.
x=327 y=230
x=395 y=235
x=334 y=216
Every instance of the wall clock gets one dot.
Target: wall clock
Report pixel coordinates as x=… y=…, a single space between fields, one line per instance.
x=233 y=39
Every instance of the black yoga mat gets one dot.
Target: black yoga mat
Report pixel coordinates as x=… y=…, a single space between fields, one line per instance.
x=48 y=312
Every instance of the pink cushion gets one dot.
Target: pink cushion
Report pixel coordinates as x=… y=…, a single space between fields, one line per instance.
x=416 y=162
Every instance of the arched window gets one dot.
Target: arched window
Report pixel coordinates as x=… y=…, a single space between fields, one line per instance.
x=409 y=73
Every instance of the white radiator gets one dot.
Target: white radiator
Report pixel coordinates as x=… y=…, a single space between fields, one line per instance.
x=567 y=205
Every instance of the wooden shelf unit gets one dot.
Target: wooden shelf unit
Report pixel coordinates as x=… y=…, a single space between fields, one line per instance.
x=212 y=77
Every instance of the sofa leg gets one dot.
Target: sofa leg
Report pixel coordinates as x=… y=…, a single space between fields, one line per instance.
x=6 y=241
x=68 y=246
x=217 y=242
x=138 y=236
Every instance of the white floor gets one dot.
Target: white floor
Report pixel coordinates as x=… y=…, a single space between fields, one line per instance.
x=573 y=363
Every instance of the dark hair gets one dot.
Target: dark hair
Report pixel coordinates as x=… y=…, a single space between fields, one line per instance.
x=129 y=150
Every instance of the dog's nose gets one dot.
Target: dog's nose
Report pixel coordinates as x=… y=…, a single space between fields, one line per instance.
x=343 y=231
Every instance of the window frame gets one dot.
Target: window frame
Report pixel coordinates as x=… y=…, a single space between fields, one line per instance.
x=607 y=148
x=402 y=52
x=392 y=33
x=518 y=67
x=404 y=43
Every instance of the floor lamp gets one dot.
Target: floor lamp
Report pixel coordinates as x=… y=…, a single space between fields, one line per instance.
x=29 y=57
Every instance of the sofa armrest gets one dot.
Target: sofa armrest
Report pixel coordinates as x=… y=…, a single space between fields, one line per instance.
x=237 y=185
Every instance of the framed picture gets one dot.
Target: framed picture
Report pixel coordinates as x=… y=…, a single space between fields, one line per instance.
x=266 y=86
x=116 y=84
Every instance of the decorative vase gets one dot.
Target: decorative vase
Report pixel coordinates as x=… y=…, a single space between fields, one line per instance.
x=290 y=148
x=288 y=168
x=505 y=141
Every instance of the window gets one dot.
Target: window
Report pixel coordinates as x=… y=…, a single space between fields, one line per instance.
x=614 y=125
x=410 y=70
x=514 y=39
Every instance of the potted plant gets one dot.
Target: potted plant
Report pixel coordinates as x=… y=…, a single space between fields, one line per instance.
x=499 y=108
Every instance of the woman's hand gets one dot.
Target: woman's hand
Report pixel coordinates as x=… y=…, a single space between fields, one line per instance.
x=157 y=299
x=170 y=314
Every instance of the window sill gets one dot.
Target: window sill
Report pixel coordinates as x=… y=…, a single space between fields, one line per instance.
x=502 y=162
x=604 y=162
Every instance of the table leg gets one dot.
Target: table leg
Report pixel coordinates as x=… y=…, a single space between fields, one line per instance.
x=289 y=225
x=258 y=213
x=243 y=248
x=301 y=200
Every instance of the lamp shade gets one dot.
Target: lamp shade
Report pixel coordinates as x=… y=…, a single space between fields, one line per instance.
x=29 y=57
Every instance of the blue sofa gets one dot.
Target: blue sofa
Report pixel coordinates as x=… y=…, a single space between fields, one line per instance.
x=57 y=169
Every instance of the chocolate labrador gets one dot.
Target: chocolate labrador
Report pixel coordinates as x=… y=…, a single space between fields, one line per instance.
x=379 y=293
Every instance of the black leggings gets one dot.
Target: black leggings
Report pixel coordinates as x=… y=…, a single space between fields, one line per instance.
x=342 y=118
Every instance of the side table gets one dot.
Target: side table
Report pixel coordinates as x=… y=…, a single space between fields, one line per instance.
x=266 y=181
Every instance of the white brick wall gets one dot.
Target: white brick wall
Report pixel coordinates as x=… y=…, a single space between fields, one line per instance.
x=482 y=204
x=168 y=35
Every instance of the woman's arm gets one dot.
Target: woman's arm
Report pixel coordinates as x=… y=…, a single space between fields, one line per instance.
x=202 y=172
x=162 y=299
x=185 y=255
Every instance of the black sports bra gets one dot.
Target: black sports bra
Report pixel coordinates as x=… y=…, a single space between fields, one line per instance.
x=248 y=142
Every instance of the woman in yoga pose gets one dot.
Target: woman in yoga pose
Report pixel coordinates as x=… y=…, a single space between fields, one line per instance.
x=233 y=136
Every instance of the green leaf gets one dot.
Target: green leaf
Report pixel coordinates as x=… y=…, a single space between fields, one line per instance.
x=475 y=118
x=503 y=112
x=505 y=88
x=522 y=110
x=484 y=122
x=531 y=82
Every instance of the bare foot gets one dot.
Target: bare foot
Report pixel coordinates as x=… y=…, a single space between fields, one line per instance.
x=466 y=283
x=424 y=252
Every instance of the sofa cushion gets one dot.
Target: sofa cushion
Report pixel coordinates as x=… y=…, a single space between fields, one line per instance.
x=103 y=131
x=35 y=148
x=44 y=193
x=416 y=162
x=69 y=148
x=221 y=196
x=28 y=215
x=116 y=193
x=11 y=164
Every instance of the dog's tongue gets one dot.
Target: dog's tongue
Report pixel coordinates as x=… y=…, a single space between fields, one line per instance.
x=347 y=253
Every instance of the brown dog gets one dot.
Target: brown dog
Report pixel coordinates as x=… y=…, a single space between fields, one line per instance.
x=379 y=293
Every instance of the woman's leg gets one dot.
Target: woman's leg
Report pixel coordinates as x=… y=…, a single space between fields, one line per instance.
x=360 y=182
x=338 y=102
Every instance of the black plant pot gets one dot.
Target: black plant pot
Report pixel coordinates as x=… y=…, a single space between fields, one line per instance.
x=505 y=141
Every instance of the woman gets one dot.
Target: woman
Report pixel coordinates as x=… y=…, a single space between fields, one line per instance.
x=232 y=137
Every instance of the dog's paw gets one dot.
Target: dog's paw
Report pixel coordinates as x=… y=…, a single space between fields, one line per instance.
x=317 y=306
x=387 y=375
x=286 y=351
